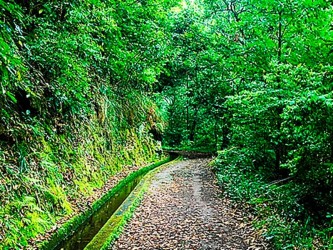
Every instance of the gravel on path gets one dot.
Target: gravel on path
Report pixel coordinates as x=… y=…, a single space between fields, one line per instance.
x=183 y=209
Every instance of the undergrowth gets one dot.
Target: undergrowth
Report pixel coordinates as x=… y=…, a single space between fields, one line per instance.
x=76 y=104
x=277 y=206
x=58 y=173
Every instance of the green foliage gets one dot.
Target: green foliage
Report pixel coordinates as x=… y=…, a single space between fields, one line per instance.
x=251 y=78
x=277 y=205
x=254 y=79
x=75 y=85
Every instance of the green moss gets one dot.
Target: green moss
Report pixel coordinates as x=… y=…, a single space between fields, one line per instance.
x=71 y=226
x=111 y=228
x=114 y=226
x=61 y=169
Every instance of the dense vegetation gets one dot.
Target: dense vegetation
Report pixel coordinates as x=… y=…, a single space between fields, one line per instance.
x=75 y=80
x=85 y=85
x=253 y=80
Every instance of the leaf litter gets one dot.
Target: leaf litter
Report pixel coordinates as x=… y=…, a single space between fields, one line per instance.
x=184 y=209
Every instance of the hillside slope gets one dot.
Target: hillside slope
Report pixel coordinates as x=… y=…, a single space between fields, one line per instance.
x=75 y=108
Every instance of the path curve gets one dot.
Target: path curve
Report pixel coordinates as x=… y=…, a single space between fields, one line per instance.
x=183 y=209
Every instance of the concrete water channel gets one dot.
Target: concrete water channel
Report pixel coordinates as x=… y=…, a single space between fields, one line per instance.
x=86 y=232
x=81 y=235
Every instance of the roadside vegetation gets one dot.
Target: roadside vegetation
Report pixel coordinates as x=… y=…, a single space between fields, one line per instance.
x=75 y=81
x=89 y=87
x=253 y=80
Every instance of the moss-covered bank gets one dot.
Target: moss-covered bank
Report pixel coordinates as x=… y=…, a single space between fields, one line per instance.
x=58 y=172
x=76 y=80
x=71 y=226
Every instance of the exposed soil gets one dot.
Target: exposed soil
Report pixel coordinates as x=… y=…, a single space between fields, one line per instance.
x=184 y=209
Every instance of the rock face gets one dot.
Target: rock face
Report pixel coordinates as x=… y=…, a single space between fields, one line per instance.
x=183 y=209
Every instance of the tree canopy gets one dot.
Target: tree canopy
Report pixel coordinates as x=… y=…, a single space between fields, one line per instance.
x=251 y=80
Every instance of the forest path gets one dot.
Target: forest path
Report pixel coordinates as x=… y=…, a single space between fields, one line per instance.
x=183 y=209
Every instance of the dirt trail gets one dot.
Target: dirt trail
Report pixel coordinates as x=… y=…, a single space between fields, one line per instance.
x=183 y=209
